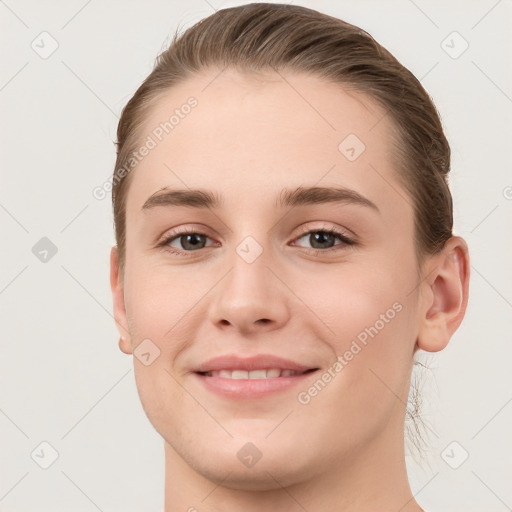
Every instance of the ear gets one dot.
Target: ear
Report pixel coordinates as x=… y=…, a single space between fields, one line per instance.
x=445 y=295
x=116 y=285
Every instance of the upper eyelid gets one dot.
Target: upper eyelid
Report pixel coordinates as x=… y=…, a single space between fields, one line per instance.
x=174 y=232
x=338 y=230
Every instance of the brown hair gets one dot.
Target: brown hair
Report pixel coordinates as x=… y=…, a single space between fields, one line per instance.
x=262 y=37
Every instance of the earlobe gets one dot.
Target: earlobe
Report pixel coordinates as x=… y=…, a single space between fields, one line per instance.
x=446 y=296
x=116 y=286
x=125 y=346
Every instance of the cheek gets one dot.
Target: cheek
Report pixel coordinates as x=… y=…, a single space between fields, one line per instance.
x=370 y=383
x=350 y=297
x=158 y=299
x=371 y=317
x=158 y=305
x=163 y=306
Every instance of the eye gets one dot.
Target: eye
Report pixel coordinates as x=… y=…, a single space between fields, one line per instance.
x=323 y=240
x=186 y=241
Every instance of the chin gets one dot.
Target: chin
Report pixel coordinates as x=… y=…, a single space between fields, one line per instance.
x=240 y=465
x=264 y=476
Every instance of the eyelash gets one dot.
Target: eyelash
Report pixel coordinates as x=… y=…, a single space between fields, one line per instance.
x=164 y=244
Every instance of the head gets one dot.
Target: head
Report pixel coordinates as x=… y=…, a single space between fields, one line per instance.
x=263 y=108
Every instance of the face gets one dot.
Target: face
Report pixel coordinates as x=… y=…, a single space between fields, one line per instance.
x=325 y=280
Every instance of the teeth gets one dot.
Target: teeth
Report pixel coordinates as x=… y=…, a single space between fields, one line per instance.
x=257 y=374
x=253 y=374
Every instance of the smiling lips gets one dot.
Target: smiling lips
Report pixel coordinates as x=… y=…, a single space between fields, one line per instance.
x=262 y=366
x=271 y=373
x=255 y=377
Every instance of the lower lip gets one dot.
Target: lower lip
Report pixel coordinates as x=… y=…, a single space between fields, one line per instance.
x=251 y=388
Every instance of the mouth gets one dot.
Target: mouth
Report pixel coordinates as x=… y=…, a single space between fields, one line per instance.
x=258 y=374
x=257 y=384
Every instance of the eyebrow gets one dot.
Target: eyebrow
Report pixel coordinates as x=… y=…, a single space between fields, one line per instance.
x=301 y=196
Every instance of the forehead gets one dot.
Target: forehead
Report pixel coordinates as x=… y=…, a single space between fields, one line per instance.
x=244 y=135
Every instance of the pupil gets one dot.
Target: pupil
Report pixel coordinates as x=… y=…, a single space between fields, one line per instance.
x=189 y=240
x=321 y=237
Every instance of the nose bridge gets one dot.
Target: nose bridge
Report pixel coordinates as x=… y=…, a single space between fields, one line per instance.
x=250 y=292
x=248 y=281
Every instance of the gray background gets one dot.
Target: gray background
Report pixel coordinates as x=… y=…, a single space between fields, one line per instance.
x=63 y=379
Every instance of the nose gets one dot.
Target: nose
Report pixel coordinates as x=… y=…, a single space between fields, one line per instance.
x=251 y=297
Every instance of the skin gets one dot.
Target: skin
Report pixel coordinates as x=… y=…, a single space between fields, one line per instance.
x=249 y=137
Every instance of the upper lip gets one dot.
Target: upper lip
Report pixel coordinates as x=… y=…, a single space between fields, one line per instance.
x=258 y=362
